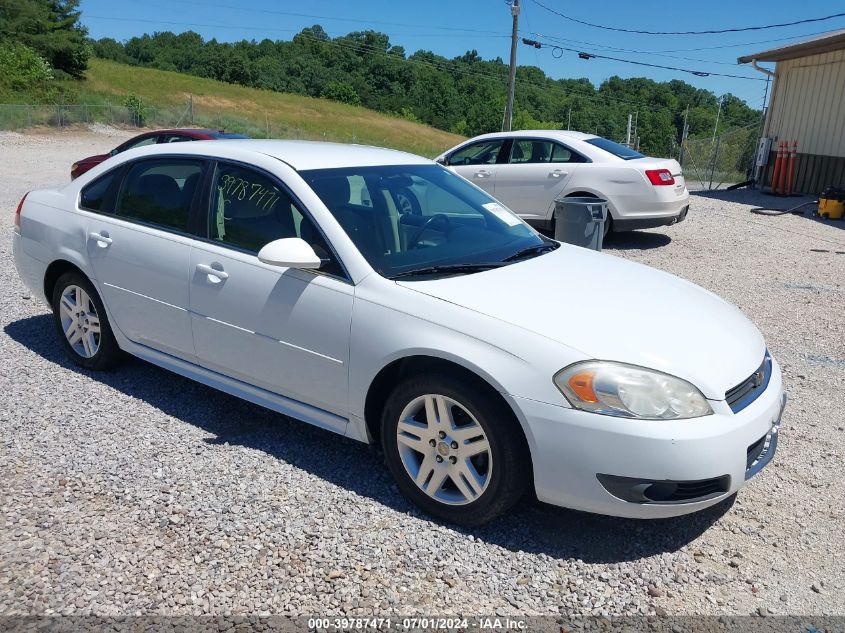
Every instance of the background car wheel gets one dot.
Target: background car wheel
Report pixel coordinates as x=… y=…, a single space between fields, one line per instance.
x=608 y=225
x=453 y=450
x=82 y=324
x=406 y=202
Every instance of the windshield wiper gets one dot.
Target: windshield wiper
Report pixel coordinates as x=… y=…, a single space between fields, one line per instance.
x=449 y=268
x=531 y=251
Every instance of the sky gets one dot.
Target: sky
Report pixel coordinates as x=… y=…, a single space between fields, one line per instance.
x=452 y=27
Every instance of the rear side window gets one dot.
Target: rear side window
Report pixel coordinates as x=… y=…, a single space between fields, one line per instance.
x=160 y=192
x=95 y=194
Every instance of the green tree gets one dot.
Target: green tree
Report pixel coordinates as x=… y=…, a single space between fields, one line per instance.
x=343 y=92
x=50 y=27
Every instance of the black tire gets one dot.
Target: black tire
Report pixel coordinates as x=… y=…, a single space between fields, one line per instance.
x=608 y=226
x=407 y=202
x=508 y=478
x=107 y=353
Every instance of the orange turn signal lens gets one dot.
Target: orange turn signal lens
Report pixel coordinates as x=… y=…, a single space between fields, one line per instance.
x=582 y=385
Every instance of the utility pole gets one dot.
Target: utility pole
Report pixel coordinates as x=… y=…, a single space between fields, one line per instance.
x=628 y=135
x=684 y=134
x=506 y=125
x=569 y=119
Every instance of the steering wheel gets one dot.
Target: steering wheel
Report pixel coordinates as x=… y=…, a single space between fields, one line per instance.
x=415 y=238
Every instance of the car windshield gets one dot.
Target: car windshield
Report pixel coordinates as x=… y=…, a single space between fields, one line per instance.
x=622 y=151
x=422 y=221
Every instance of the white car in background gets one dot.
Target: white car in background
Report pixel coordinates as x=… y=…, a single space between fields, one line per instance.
x=486 y=360
x=529 y=169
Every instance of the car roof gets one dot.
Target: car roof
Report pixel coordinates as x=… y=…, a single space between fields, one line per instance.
x=560 y=134
x=301 y=155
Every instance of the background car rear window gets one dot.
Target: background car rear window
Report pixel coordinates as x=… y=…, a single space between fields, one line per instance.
x=622 y=151
x=94 y=194
x=250 y=210
x=160 y=192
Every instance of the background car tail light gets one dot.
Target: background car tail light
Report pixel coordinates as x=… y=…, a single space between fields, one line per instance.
x=18 y=211
x=660 y=176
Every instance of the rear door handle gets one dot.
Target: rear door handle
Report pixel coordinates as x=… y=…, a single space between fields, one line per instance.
x=482 y=173
x=103 y=240
x=557 y=173
x=214 y=275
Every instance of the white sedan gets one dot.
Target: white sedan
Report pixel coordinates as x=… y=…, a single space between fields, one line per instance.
x=487 y=360
x=528 y=170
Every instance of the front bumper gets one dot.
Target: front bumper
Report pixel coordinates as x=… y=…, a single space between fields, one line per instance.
x=573 y=452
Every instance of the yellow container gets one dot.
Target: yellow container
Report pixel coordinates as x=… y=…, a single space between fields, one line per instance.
x=831 y=208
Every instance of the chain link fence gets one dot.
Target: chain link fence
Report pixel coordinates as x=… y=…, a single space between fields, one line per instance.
x=726 y=159
x=22 y=116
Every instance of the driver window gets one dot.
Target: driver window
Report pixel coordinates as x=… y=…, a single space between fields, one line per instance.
x=482 y=153
x=250 y=210
x=150 y=140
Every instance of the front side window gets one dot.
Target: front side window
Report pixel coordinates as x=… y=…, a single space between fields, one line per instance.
x=249 y=209
x=146 y=140
x=422 y=216
x=94 y=194
x=482 y=153
x=160 y=192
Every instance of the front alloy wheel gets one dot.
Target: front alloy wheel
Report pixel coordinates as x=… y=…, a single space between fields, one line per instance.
x=444 y=449
x=454 y=447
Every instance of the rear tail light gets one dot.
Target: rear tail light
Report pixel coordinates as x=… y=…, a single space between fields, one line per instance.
x=660 y=177
x=18 y=211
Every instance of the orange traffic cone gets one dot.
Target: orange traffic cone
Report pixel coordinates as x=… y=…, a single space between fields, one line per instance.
x=790 y=170
x=778 y=167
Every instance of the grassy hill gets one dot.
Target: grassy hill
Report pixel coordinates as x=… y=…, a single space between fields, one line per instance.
x=259 y=113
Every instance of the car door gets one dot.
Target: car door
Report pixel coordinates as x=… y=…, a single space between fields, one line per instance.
x=537 y=170
x=477 y=162
x=140 y=252
x=280 y=329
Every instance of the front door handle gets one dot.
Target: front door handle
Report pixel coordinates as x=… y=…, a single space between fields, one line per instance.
x=482 y=173
x=215 y=276
x=103 y=240
x=557 y=173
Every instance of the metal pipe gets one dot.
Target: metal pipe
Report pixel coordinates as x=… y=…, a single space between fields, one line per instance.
x=765 y=71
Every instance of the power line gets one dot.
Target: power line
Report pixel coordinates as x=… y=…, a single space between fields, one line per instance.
x=332 y=18
x=567 y=40
x=710 y=32
x=584 y=55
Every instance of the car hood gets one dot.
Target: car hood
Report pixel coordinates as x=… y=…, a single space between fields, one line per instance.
x=613 y=309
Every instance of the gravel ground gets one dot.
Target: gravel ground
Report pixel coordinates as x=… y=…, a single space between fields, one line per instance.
x=140 y=492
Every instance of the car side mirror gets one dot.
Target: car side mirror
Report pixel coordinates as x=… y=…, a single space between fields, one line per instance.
x=113 y=152
x=289 y=252
x=442 y=161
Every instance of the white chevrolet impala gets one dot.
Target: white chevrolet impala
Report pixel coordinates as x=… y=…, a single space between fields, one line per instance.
x=487 y=360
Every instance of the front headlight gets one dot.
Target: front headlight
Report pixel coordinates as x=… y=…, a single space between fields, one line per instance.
x=629 y=391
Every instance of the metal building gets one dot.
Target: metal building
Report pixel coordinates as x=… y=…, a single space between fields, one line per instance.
x=807 y=104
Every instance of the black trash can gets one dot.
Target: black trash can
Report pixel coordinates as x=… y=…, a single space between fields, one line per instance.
x=580 y=221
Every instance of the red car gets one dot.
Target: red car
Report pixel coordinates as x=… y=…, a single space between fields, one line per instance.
x=150 y=138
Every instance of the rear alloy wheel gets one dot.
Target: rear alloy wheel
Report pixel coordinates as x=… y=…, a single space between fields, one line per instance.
x=82 y=324
x=453 y=450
